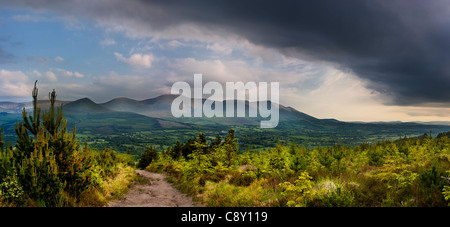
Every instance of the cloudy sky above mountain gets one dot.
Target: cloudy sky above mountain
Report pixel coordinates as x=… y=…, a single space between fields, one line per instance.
x=353 y=60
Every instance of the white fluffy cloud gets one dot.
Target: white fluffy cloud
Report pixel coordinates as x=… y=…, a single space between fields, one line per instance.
x=59 y=59
x=136 y=60
x=212 y=70
x=14 y=85
x=219 y=48
x=51 y=76
x=67 y=73
x=175 y=44
x=77 y=74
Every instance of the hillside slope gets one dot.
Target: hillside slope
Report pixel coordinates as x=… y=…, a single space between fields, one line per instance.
x=124 y=123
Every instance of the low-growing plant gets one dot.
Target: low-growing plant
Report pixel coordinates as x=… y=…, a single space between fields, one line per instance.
x=242 y=179
x=407 y=172
x=11 y=192
x=299 y=193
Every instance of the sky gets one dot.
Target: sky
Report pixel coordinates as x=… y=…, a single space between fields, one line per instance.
x=351 y=60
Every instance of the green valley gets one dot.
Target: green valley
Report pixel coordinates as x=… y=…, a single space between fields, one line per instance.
x=128 y=125
x=304 y=161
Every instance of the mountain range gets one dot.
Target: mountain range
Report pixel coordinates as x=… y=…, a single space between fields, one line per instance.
x=128 y=124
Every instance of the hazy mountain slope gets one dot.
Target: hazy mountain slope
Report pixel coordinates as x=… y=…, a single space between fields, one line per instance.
x=160 y=107
x=91 y=118
x=123 y=104
x=84 y=106
x=11 y=107
x=154 y=107
x=151 y=121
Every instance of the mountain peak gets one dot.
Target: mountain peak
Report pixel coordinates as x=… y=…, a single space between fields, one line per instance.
x=121 y=99
x=85 y=105
x=160 y=99
x=85 y=99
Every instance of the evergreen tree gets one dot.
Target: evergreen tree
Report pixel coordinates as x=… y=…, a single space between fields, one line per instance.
x=230 y=146
x=176 y=152
x=216 y=143
x=51 y=166
x=204 y=144
x=147 y=157
x=188 y=147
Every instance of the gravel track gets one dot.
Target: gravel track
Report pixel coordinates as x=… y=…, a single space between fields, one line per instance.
x=157 y=192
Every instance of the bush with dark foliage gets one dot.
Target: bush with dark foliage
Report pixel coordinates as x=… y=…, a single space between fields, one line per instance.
x=147 y=157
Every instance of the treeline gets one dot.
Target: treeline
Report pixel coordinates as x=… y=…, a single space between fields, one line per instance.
x=48 y=167
x=405 y=172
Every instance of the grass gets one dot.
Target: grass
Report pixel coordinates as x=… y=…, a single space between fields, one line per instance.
x=402 y=173
x=118 y=186
x=111 y=188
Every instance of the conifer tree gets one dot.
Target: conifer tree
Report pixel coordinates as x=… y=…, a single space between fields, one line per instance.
x=176 y=152
x=147 y=157
x=230 y=146
x=216 y=143
x=50 y=164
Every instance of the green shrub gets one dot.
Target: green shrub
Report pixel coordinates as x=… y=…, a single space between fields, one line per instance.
x=299 y=193
x=126 y=159
x=223 y=194
x=11 y=192
x=339 y=197
x=211 y=177
x=147 y=157
x=376 y=156
x=431 y=178
x=430 y=186
x=446 y=194
x=242 y=179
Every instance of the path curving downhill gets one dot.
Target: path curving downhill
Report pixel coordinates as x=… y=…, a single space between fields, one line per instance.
x=156 y=192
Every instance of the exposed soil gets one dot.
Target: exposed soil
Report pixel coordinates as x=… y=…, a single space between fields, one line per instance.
x=155 y=192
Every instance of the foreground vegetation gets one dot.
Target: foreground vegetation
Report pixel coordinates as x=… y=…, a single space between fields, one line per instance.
x=405 y=172
x=48 y=167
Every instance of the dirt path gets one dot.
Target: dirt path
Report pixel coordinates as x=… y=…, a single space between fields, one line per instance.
x=156 y=192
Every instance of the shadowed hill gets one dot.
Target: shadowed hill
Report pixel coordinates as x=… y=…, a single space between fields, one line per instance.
x=154 y=107
x=84 y=105
x=151 y=121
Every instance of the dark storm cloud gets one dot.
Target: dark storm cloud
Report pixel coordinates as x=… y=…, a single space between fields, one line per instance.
x=402 y=47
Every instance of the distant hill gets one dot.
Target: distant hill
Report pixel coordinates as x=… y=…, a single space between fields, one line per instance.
x=293 y=124
x=85 y=106
x=154 y=107
x=112 y=118
x=132 y=124
x=122 y=104
x=160 y=107
x=11 y=107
